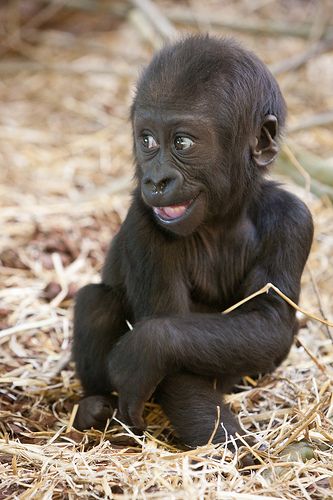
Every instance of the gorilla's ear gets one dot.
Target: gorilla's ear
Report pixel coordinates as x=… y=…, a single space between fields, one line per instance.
x=265 y=149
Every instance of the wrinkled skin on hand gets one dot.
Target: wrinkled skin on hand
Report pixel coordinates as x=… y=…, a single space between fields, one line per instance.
x=136 y=379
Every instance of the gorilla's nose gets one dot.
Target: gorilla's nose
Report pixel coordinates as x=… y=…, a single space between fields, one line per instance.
x=160 y=186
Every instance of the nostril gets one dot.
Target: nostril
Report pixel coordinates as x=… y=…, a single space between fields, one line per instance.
x=157 y=186
x=150 y=186
x=161 y=186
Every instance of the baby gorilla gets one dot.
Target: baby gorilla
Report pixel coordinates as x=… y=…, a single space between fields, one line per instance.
x=205 y=229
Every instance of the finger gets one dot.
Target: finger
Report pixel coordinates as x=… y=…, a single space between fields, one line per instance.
x=131 y=413
x=123 y=411
x=135 y=411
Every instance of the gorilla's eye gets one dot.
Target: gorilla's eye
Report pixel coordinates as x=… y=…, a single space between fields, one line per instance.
x=149 y=141
x=183 y=143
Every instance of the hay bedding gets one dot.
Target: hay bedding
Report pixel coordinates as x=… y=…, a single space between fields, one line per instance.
x=65 y=177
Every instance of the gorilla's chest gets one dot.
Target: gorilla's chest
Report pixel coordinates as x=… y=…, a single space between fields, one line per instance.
x=215 y=271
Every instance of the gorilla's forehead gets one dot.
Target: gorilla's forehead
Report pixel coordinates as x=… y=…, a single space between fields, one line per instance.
x=171 y=115
x=177 y=91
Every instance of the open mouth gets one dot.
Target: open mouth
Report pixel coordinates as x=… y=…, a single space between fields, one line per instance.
x=173 y=212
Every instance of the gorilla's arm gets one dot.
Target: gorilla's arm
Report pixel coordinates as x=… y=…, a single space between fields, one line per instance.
x=253 y=339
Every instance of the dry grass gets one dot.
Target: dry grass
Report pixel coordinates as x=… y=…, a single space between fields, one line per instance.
x=65 y=169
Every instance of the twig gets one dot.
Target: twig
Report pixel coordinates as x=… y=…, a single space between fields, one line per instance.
x=33 y=325
x=319 y=187
x=62 y=363
x=320 y=304
x=298 y=60
x=117 y=8
x=145 y=28
x=293 y=160
x=266 y=289
x=317 y=120
x=310 y=415
x=72 y=418
x=216 y=426
x=183 y=16
x=321 y=21
x=154 y=14
x=13 y=66
x=319 y=365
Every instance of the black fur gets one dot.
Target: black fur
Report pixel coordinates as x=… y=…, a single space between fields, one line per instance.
x=172 y=278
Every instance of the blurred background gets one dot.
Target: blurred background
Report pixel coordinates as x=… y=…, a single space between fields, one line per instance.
x=67 y=75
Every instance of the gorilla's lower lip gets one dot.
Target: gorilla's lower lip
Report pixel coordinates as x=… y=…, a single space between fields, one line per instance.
x=172 y=212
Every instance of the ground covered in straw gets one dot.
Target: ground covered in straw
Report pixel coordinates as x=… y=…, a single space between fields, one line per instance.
x=66 y=80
